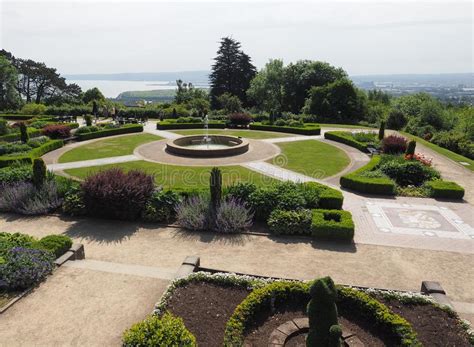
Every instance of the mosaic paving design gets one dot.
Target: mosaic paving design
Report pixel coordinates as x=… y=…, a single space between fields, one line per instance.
x=423 y=220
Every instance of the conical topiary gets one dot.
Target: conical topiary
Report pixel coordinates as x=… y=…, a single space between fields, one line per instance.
x=382 y=130
x=322 y=313
x=411 y=148
x=215 y=184
x=24 y=137
x=39 y=172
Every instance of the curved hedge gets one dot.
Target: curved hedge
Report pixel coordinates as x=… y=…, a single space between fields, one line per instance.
x=32 y=132
x=368 y=185
x=262 y=300
x=445 y=189
x=34 y=153
x=173 y=125
x=126 y=129
x=346 y=138
x=309 y=129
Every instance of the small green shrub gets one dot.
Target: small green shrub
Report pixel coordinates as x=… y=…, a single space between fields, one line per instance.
x=8 y=241
x=155 y=331
x=382 y=130
x=332 y=225
x=240 y=191
x=161 y=206
x=215 y=186
x=411 y=148
x=24 y=137
x=445 y=189
x=88 y=120
x=73 y=202
x=297 y=222
x=33 y=109
x=56 y=244
x=408 y=172
x=39 y=172
x=15 y=173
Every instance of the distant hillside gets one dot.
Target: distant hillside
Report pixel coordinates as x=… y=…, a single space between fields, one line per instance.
x=448 y=79
x=200 y=77
x=161 y=95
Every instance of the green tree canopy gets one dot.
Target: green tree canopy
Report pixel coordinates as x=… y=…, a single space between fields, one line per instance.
x=93 y=94
x=231 y=73
x=9 y=98
x=266 y=89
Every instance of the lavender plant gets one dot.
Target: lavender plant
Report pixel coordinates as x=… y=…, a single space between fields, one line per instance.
x=232 y=216
x=193 y=213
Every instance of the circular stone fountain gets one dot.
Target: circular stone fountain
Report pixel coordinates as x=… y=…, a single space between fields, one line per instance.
x=207 y=146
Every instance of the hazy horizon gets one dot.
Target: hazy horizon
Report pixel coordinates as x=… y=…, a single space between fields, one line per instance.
x=364 y=38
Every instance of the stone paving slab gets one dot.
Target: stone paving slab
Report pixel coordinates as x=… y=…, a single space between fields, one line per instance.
x=92 y=162
x=80 y=307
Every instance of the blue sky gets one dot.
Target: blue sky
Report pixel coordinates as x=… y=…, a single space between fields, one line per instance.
x=363 y=37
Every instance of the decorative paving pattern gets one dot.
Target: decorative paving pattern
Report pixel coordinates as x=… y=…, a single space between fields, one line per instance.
x=423 y=220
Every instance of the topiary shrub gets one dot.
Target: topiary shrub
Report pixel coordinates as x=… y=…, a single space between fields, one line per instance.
x=411 y=148
x=215 y=185
x=155 y=331
x=115 y=194
x=394 y=144
x=382 y=130
x=56 y=244
x=332 y=225
x=57 y=131
x=24 y=267
x=296 y=222
x=24 y=137
x=322 y=315
x=39 y=172
x=88 y=120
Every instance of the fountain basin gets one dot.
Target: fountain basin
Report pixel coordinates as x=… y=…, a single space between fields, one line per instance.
x=196 y=146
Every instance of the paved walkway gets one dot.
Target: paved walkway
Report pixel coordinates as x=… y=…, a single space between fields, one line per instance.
x=92 y=162
x=150 y=127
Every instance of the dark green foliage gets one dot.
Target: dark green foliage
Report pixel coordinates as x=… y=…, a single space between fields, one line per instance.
x=215 y=186
x=369 y=185
x=15 y=173
x=34 y=153
x=297 y=222
x=3 y=127
x=396 y=119
x=322 y=315
x=445 y=189
x=39 y=172
x=231 y=73
x=88 y=119
x=408 y=172
x=93 y=94
x=159 y=331
x=126 y=129
x=241 y=191
x=73 y=202
x=24 y=137
x=330 y=199
x=308 y=129
x=161 y=206
x=346 y=138
x=340 y=101
x=382 y=130
x=167 y=124
x=95 y=108
x=16 y=136
x=56 y=244
x=332 y=225
x=411 y=148
x=455 y=141
x=15 y=147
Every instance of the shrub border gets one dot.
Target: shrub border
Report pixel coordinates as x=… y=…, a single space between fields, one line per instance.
x=309 y=129
x=173 y=125
x=445 y=189
x=126 y=129
x=34 y=153
x=32 y=132
x=345 y=138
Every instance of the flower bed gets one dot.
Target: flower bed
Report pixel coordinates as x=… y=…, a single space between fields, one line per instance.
x=230 y=310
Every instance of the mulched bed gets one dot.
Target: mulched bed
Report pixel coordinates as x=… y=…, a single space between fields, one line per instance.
x=434 y=326
x=205 y=309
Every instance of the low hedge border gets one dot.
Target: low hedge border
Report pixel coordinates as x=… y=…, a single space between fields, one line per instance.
x=17 y=116
x=126 y=129
x=445 y=189
x=309 y=128
x=173 y=125
x=346 y=138
x=332 y=225
x=378 y=185
x=271 y=296
x=34 y=153
x=32 y=132
x=329 y=198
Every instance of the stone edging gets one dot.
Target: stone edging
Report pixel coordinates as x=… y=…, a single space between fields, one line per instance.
x=190 y=264
x=76 y=252
x=282 y=333
x=437 y=292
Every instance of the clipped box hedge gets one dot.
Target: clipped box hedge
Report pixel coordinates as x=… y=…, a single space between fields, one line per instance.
x=32 y=132
x=368 y=185
x=17 y=116
x=34 y=153
x=174 y=125
x=329 y=198
x=309 y=128
x=445 y=189
x=332 y=225
x=126 y=129
x=345 y=138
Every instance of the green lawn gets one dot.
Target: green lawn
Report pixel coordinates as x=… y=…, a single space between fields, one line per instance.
x=311 y=158
x=181 y=177
x=443 y=151
x=112 y=147
x=250 y=134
